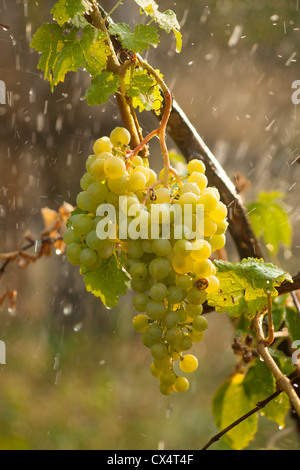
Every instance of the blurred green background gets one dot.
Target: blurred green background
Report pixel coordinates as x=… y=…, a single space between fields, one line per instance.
x=77 y=376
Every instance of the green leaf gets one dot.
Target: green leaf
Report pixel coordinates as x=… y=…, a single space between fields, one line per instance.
x=67 y=10
x=293 y=323
x=259 y=384
x=102 y=86
x=270 y=221
x=63 y=51
x=142 y=38
x=229 y=404
x=167 y=20
x=143 y=90
x=244 y=286
x=107 y=282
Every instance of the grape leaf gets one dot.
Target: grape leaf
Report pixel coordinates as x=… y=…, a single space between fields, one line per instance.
x=259 y=383
x=293 y=323
x=244 y=286
x=142 y=38
x=102 y=86
x=230 y=403
x=67 y=10
x=107 y=282
x=270 y=221
x=63 y=51
x=167 y=20
x=143 y=90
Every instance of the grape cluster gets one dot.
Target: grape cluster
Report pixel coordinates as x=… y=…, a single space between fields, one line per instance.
x=171 y=276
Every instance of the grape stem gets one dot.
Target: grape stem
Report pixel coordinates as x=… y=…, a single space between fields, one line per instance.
x=150 y=189
x=161 y=131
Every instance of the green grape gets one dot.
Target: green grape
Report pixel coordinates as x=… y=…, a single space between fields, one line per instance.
x=159 y=351
x=81 y=223
x=135 y=249
x=159 y=268
x=195 y=166
x=165 y=389
x=201 y=250
x=87 y=257
x=137 y=161
x=189 y=198
x=106 y=250
x=182 y=264
x=210 y=226
x=98 y=192
x=158 y=291
x=156 y=310
x=196 y=296
x=119 y=185
x=162 y=195
x=170 y=320
x=120 y=137
x=147 y=246
x=193 y=310
x=96 y=169
x=140 y=302
x=89 y=162
x=93 y=241
x=175 y=295
x=200 y=179
x=196 y=336
x=129 y=202
x=217 y=242
x=204 y=268
x=188 y=363
x=184 y=281
x=168 y=377
x=139 y=285
x=152 y=335
x=200 y=323
x=219 y=213
x=152 y=178
x=190 y=187
x=213 y=284
x=73 y=253
x=162 y=364
x=174 y=336
x=182 y=248
x=86 y=180
x=181 y=384
x=221 y=227
x=161 y=247
x=182 y=315
x=114 y=167
x=140 y=323
x=81 y=200
x=138 y=271
x=185 y=343
x=102 y=145
x=70 y=236
x=155 y=372
x=137 y=181
x=209 y=199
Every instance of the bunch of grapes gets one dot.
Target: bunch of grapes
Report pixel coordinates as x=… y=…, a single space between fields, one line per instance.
x=170 y=275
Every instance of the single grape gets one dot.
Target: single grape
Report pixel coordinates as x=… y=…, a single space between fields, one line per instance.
x=195 y=166
x=193 y=310
x=156 y=310
x=152 y=335
x=200 y=323
x=217 y=242
x=213 y=284
x=159 y=268
x=161 y=247
x=88 y=257
x=196 y=296
x=170 y=320
x=200 y=179
x=140 y=323
x=119 y=185
x=86 y=180
x=138 y=271
x=168 y=377
x=114 y=167
x=181 y=384
x=188 y=363
x=159 y=351
x=190 y=187
x=93 y=241
x=175 y=295
x=81 y=223
x=140 y=302
x=73 y=253
x=155 y=372
x=120 y=137
x=204 y=268
x=137 y=181
x=184 y=281
x=165 y=389
x=158 y=291
x=102 y=145
x=70 y=236
x=162 y=195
